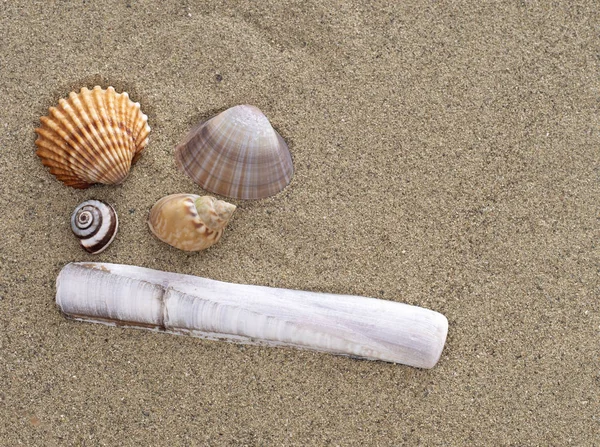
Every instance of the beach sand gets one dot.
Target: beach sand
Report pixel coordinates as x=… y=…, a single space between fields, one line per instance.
x=447 y=155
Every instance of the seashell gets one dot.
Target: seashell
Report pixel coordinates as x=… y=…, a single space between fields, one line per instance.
x=95 y=224
x=92 y=137
x=361 y=327
x=236 y=154
x=189 y=222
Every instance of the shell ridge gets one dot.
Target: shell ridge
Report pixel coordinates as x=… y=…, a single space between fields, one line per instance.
x=59 y=123
x=110 y=100
x=128 y=124
x=118 y=117
x=71 y=144
x=122 y=153
x=105 y=120
x=125 y=144
x=121 y=116
x=138 y=124
x=85 y=141
x=113 y=164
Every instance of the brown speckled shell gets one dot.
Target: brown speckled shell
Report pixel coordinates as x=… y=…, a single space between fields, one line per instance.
x=94 y=136
x=236 y=154
x=175 y=220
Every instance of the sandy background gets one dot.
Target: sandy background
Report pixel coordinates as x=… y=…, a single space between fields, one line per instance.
x=447 y=155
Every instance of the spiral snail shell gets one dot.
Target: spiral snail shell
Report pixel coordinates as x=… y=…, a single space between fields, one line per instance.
x=95 y=224
x=189 y=222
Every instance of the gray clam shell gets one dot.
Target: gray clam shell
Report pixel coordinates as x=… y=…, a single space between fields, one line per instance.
x=236 y=154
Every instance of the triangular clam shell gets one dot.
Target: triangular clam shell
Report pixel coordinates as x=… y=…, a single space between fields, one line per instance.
x=236 y=154
x=92 y=137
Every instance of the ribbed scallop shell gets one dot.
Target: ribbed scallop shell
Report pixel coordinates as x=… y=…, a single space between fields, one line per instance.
x=95 y=224
x=94 y=136
x=189 y=222
x=236 y=154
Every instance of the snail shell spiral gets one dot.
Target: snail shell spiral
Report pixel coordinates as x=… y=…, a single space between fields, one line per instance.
x=95 y=224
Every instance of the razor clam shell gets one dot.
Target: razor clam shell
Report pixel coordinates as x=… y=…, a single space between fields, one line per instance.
x=236 y=154
x=361 y=327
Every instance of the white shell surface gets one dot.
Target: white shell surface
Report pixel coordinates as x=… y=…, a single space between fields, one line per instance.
x=91 y=295
x=340 y=324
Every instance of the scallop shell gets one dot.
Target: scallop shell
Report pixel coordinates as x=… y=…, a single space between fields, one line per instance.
x=189 y=222
x=236 y=154
x=357 y=326
x=95 y=224
x=92 y=137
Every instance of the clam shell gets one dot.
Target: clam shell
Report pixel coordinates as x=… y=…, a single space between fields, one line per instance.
x=92 y=137
x=236 y=154
x=357 y=326
x=188 y=221
x=95 y=224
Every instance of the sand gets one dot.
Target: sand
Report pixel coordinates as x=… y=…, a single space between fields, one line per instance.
x=447 y=155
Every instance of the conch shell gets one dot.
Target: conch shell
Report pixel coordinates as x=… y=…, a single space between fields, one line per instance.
x=92 y=137
x=357 y=326
x=236 y=154
x=189 y=222
x=95 y=224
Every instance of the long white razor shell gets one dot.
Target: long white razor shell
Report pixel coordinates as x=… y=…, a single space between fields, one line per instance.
x=339 y=324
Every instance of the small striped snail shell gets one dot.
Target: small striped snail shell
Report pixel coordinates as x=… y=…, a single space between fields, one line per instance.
x=95 y=224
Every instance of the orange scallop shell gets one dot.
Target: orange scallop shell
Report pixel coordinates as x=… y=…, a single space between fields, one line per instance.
x=94 y=136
